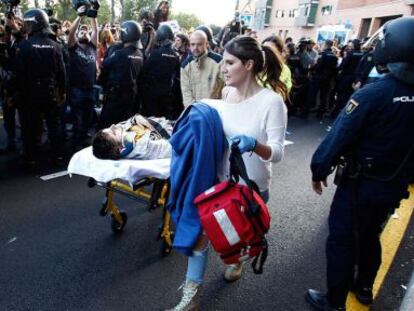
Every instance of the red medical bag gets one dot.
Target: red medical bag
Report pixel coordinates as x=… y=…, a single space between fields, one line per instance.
x=235 y=218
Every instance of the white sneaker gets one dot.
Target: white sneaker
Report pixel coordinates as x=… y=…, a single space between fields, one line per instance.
x=233 y=272
x=190 y=301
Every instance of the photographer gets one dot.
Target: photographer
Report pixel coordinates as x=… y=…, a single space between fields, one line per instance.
x=82 y=74
x=148 y=31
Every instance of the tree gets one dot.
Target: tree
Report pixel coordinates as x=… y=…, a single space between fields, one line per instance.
x=186 y=21
x=64 y=10
x=132 y=8
x=104 y=14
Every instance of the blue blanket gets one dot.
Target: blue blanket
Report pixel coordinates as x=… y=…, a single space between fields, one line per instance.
x=198 y=144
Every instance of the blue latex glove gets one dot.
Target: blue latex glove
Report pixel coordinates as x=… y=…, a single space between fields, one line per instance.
x=245 y=143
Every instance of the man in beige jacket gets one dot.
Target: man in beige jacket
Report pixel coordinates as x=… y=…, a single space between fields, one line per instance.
x=200 y=70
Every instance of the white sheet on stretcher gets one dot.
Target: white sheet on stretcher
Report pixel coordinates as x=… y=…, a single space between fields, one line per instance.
x=85 y=163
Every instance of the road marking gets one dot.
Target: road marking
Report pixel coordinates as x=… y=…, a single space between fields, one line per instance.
x=390 y=241
x=288 y=142
x=54 y=175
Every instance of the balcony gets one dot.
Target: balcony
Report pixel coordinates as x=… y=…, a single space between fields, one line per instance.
x=307 y=13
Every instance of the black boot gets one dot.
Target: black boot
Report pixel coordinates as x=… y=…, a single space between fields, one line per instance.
x=320 y=301
x=363 y=294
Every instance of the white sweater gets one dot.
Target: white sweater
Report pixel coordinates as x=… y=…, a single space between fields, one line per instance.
x=263 y=116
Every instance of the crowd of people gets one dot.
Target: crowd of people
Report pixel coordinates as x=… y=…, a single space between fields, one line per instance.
x=61 y=72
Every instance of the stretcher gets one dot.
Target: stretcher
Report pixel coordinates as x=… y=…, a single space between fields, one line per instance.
x=145 y=181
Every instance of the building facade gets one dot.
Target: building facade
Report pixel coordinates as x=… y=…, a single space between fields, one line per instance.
x=323 y=19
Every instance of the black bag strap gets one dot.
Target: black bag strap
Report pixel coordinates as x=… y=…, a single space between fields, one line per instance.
x=159 y=128
x=262 y=256
x=238 y=169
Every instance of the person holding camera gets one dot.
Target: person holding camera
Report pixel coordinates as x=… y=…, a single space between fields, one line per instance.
x=40 y=81
x=82 y=74
x=148 y=31
x=119 y=76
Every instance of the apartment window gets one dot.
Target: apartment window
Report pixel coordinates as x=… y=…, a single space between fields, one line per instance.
x=326 y=10
x=295 y=13
x=280 y=13
x=307 y=10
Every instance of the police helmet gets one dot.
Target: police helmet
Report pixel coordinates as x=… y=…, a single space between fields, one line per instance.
x=130 y=31
x=36 y=20
x=207 y=30
x=164 y=33
x=395 y=48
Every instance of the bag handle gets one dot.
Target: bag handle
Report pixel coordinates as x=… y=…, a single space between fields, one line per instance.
x=238 y=169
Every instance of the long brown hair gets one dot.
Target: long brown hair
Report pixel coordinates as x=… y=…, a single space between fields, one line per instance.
x=267 y=66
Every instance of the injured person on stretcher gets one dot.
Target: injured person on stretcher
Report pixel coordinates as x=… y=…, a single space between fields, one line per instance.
x=136 y=138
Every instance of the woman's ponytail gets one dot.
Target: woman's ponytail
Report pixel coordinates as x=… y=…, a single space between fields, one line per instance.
x=272 y=69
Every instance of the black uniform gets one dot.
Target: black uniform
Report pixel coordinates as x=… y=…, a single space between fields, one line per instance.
x=159 y=78
x=364 y=68
x=375 y=127
x=346 y=77
x=8 y=89
x=119 y=76
x=323 y=73
x=40 y=76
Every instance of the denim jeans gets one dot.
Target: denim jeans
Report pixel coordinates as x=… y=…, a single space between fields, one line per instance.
x=82 y=103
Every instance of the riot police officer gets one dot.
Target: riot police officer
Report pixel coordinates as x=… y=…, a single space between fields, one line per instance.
x=346 y=76
x=374 y=135
x=41 y=81
x=159 y=78
x=119 y=76
x=320 y=83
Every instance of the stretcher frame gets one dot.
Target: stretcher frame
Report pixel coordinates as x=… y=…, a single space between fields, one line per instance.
x=155 y=199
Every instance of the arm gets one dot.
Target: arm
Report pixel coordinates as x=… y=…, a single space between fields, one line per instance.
x=188 y=97
x=72 y=32
x=343 y=135
x=94 y=36
x=276 y=122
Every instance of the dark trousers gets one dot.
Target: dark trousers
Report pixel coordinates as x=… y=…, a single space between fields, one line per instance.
x=358 y=214
x=318 y=86
x=9 y=117
x=31 y=115
x=82 y=102
x=119 y=105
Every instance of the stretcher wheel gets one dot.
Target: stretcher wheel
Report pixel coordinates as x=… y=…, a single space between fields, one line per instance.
x=165 y=247
x=117 y=227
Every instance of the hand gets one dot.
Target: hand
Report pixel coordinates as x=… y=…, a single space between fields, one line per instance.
x=81 y=10
x=356 y=86
x=317 y=186
x=244 y=142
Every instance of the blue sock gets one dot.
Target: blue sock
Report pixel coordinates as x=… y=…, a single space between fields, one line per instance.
x=197 y=264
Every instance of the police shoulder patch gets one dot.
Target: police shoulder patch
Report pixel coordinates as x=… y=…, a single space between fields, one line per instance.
x=351 y=106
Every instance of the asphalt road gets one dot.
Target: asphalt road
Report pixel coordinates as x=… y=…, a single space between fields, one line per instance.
x=57 y=253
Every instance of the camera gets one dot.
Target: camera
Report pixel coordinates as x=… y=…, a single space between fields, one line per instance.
x=92 y=7
x=11 y=5
x=148 y=26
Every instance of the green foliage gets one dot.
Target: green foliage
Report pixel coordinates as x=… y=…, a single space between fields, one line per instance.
x=104 y=14
x=134 y=7
x=186 y=21
x=64 y=10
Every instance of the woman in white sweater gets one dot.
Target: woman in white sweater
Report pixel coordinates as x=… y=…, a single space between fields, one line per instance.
x=254 y=117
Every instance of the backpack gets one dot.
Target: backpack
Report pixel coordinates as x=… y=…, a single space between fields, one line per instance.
x=235 y=218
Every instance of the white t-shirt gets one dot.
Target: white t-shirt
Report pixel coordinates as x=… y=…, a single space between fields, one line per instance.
x=263 y=116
